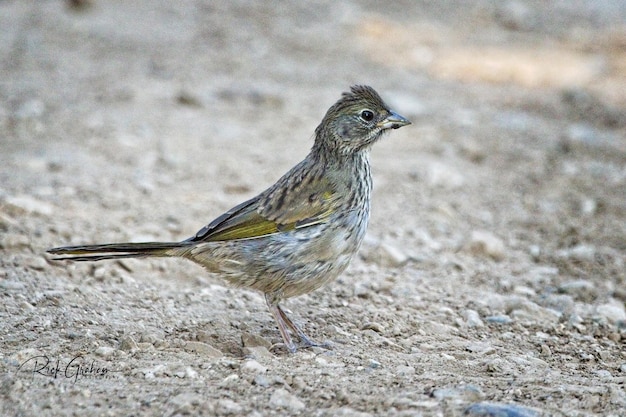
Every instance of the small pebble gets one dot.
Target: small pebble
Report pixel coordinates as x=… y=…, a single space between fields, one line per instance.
x=377 y=327
x=203 y=349
x=373 y=364
x=514 y=15
x=472 y=318
x=482 y=348
x=254 y=340
x=486 y=243
x=231 y=381
x=582 y=253
x=14 y=241
x=404 y=370
x=30 y=205
x=329 y=361
x=362 y=290
x=261 y=380
x=190 y=373
x=486 y=409
x=281 y=398
x=185 y=402
x=252 y=367
x=105 y=351
x=12 y=285
x=466 y=393
x=258 y=352
x=603 y=374
x=533 y=313
x=391 y=255
x=152 y=337
x=188 y=99
x=562 y=303
x=614 y=313
x=227 y=407
x=128 y=344
x=581 y=289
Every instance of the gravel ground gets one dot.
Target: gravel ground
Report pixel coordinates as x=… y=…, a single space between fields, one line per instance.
x=493 y=275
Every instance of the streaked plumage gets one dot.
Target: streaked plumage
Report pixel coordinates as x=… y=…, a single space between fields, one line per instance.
x=300 y=233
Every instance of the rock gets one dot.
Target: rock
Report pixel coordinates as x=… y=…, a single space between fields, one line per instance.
x=461 y=393
x=535 y=252
x=613 y=313
x=152 y=336
x=362 y=290
x=252 y=367
x=37 y=263
x=281 y=398
x=581 y=289
x=329 y=361
x=203 y=349
x=524 y=290
x=559 y=302
x=514 y=15
x=258 y=352
x=261 y=380
x=227 y=407
x=472 y=318
x=390 y=255
x=381 y=253
x=377 y=327
x=530 y=312
x=349 y=412
x=486 y=409
x=486 y=243
x=187 y=98
x=254 y=340
x=14 y=241
x=404 y=370
x=588 y=207
x=105 y=351
x=185 y=402
x=581 y=253
x=190 y=373
x=30 y=204
x=545 y=350
x=128 y=344
x=481 y=348
x=585 y=106
x=373 y=364
x=603 y=374
x=231 y=380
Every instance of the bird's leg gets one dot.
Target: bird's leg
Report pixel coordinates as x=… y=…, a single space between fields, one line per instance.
x=283 y=321
x=279 y=316
x=293 y=326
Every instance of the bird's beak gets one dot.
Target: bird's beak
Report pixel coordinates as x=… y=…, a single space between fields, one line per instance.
x=393 y=121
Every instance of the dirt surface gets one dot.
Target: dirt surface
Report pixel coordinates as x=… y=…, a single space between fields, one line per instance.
x=493 y=274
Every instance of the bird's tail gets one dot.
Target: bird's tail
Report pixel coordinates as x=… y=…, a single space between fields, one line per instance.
x=117 y=251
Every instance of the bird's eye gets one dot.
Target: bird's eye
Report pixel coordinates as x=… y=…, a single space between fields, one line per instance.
x=367 y=115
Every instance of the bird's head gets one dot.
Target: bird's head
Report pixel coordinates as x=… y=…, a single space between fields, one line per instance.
x=356 y=121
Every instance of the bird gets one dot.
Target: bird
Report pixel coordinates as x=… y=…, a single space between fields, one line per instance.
x=300 y=233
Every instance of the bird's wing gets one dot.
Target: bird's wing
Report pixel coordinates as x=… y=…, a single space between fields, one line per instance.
x=278 y=210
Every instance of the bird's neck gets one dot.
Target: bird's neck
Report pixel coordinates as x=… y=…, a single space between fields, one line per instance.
x=352 y=167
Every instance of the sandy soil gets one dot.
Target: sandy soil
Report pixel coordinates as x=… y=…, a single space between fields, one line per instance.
x=493 y=275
